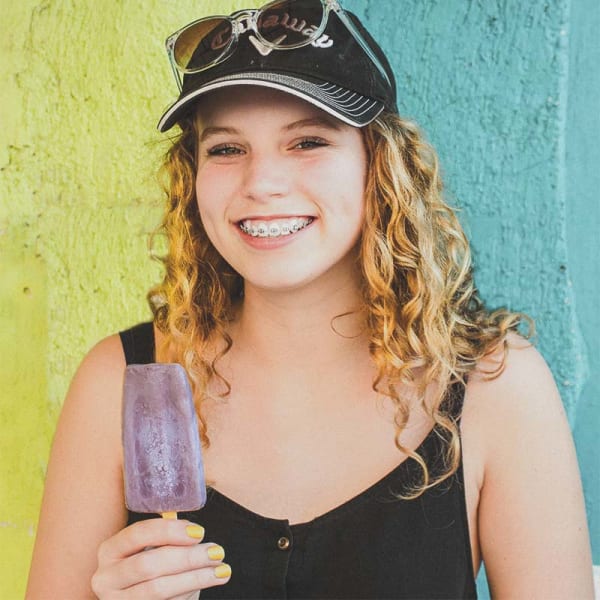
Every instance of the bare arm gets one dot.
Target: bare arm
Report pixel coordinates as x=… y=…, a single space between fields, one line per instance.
x=531 y=516
x=83 y=502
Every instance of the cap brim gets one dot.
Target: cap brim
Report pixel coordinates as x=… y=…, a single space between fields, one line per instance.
x=347 y=106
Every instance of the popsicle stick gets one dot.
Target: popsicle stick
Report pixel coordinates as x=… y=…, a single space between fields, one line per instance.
x=165 y=515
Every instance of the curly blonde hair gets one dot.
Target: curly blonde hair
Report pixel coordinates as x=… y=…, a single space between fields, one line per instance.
x=423 y=312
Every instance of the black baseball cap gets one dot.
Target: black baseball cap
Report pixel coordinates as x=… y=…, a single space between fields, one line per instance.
x=333 y=73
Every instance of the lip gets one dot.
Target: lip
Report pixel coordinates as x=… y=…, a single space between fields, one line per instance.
x=272 y=217
x=269 y=243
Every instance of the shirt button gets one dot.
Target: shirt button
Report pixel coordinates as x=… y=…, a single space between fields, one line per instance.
x=283 y=543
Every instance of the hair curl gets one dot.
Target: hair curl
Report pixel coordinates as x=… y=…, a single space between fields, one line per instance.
x=425 y=320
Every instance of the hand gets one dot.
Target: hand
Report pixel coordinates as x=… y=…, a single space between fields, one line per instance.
x=158 y=558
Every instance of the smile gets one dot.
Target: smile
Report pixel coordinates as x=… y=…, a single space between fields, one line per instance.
x=275 y=228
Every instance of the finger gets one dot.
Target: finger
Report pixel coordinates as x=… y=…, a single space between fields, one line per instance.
x=165 y=561
x=181 y=584
x=152 y=532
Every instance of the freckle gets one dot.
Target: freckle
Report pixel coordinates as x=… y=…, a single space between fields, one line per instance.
x=27 y=291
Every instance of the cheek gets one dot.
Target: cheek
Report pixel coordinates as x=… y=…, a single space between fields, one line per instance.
x=211 y=193
x=346 y=189
x=209 y=217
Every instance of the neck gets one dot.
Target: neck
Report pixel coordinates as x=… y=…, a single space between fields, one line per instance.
x=296 y=328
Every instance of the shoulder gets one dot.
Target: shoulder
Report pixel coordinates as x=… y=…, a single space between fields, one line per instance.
x=96 y=389
x=521 y=402
x=510 y=419
x=105 y=354
x=524 y=368
x=92 y=405
x=109 y=356
x=101 y=369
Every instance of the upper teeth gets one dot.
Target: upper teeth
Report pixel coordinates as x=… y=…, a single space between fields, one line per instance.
x=274 y=228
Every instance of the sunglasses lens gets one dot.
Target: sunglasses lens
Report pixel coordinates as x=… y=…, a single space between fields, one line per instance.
x=202 y=43
x=291 y=23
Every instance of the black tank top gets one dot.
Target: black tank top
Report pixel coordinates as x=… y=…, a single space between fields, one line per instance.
x=372 y=546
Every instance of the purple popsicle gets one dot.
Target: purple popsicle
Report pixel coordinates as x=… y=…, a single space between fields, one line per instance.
x=162 y=457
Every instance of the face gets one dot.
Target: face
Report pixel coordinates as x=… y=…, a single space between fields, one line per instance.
x=280 y=187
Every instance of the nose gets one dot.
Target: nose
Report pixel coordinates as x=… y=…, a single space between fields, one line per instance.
x=265 y=177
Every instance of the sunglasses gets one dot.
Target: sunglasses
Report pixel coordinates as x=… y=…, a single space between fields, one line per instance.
x=278 y=25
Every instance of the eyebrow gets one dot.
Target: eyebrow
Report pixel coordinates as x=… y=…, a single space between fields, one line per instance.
x=322 y=122
x=208 y=131
x=325 y=122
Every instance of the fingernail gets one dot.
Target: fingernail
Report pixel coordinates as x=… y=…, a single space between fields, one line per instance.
x=216 y=553
x=222 y=571
x=195 y=531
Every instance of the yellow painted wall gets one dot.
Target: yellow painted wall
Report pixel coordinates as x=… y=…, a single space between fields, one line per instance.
x=82 y=84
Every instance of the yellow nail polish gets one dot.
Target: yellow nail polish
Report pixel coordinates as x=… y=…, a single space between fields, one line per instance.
x=216 y=553
x=195 y=531
x=222 y=571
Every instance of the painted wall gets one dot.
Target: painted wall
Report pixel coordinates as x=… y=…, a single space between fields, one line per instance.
x=507 y=91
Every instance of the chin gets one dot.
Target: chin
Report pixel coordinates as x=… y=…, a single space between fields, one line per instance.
x=282 y=284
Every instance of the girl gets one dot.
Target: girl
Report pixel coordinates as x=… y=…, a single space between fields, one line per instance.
x=370 y=429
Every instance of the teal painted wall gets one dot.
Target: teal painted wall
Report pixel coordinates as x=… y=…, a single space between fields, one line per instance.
x=506 y=90
x=582 y=193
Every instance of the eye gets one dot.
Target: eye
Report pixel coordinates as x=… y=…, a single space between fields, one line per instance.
x=310 y=142
x=224 y=150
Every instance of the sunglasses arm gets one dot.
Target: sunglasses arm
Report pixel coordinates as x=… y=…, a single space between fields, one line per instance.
x=170 y=53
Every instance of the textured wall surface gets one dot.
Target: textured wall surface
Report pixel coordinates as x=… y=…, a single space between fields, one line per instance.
x=582 y=194
x=506 y=90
